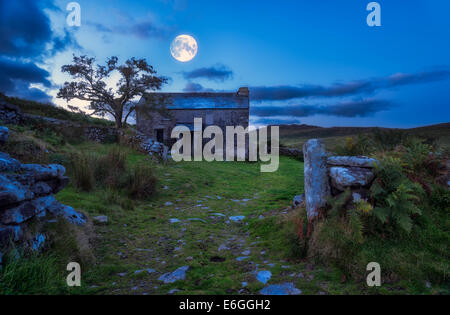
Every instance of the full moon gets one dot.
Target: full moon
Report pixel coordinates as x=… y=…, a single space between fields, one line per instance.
x=184 y=48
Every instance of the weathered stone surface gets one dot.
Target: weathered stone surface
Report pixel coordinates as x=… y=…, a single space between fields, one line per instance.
x=9 y=113
x=43 y=172
x=317 y=188
x=25 y=211
x=101 y=219
x=10 y=232
x=68 y=213
x=171 y=277
x=356 y=161
x=4 y=134
x=298 y=201
x=12 y=192
x=263 y=276
x=8 y=164
x=343 y=177
x=286 y=288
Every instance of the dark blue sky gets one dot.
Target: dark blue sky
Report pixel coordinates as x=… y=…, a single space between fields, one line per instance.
x=313 y=62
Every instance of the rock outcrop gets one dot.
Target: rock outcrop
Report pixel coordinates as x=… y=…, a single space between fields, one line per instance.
x=26 y=195
x=353 y=172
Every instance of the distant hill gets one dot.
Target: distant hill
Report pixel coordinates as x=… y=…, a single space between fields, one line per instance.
x=296 y=135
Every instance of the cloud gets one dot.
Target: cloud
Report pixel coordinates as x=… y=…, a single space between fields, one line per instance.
x=143 y=29
x=367 y=86
x=215 y=73
x=196 y=87
x=358 y=108
x=274 y=120
x=27 y=39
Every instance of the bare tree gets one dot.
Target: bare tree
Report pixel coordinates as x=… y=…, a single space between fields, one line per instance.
x=137 y=78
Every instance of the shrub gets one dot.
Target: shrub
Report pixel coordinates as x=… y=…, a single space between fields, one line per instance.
x=142 y=182
x=396 y=197
x=337 y=240
x=361 y=145
x=83 y=168
x=386 y=140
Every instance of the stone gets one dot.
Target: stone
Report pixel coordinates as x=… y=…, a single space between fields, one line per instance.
x=7 y=233
x=4 y=134
x=343 y=177
x=355 y=161
x=286 y=288
x=298 y=201
x=67 y=213
x=101 y=219
x=242 y=258
x=263 y=276
x=168 y=203
x=317 y=188
x=43 y=172
x=246 y=252
x=171 y=277
x=26 y=210
x=237 y=218
x=8 y=164
x=12 y=192
x=223 y=247
x=38 y=242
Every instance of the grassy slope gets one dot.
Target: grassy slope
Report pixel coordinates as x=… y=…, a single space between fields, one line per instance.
x=143 y=238
x=52 y=111
x=296 y=135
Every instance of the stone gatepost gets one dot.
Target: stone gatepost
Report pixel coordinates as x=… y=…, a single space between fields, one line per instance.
x=317 y=187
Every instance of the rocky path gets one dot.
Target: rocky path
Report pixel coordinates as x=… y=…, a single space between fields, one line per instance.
x=202 y=248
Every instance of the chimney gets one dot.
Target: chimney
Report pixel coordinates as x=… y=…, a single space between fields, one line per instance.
x=243 y=91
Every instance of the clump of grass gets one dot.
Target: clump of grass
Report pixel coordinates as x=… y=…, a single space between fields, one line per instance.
x=142 y=182
x=110 y=171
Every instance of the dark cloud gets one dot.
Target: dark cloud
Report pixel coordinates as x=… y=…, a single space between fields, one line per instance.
x=141 y=29
x=27 y=38
x=214 y=73
x=359 y=108
x=196 y=87
x=368 y=86
x=274 y=121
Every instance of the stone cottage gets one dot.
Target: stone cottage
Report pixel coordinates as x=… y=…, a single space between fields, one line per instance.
x=219 y=109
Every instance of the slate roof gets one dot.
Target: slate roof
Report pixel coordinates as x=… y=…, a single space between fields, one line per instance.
x=205 y=100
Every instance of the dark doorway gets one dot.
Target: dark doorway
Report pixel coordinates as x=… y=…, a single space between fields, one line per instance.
x=160 y=135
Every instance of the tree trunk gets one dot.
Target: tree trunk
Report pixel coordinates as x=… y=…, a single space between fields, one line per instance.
x=119 y=122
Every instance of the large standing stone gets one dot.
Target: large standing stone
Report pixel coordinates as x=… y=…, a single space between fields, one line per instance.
x=317 y=187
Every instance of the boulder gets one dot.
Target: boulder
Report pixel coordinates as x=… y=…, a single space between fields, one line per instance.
x=4 y=134
x=355 y=161
x=317 y=188
x=344 y=177
x=8 y=164
x=298 y=201
x=12 y=192
x=101 y=219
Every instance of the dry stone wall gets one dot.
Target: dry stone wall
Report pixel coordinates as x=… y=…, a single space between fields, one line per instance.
x=327 y=176
x=26 y=198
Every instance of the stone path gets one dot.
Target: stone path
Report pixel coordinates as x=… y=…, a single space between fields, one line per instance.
x=200 y=246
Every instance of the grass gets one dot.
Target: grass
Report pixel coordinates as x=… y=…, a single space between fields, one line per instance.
x=52 y=111
x=297 y=135
x=139 y=235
